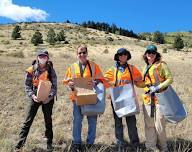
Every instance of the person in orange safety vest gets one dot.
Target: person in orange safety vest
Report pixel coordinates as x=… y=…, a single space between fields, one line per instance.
x=120 y=74
x=157 y=78
x=86 y=69
x=41 y=69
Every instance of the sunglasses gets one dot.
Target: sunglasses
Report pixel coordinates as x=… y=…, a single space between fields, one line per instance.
x=123 y=53
x=151 y=52
x=82 y=53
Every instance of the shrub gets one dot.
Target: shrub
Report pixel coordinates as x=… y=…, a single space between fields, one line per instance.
x=60 y=36
x=178 y=43
x=164 y=50
x=16 y=32
x=51 y=36
x=106 y=51
x=158 y=37
x=37 y=38
x=109 y=38
x=5 y=42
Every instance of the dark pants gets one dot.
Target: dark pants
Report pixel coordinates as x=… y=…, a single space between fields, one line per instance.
x=31 y=113
x=132 y=129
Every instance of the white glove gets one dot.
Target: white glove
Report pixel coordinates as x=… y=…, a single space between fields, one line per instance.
x=153 y=89
x=34 y=97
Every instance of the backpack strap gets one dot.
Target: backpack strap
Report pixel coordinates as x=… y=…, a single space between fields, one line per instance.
x=116 y=76
x=90 y=68
x=147 y=71
x=49 y=69
x=81 y=69
x=130 y=74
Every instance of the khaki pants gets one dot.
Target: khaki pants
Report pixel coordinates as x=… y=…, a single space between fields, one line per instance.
x=155 y=129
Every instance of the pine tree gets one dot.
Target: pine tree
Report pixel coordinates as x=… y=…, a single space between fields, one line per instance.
x=37 y=38
x=113 y=28
x=61 y=36
x=178 y=42
x=16 y=32
x=158 y=37
x=51 y=36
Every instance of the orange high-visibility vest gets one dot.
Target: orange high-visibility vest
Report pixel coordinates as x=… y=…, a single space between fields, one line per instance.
x=153 y=78
x=73 y=71
x=122 y=77
x=43 y=76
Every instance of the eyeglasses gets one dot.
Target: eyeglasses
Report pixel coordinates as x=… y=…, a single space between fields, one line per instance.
x=123 y=53
x=82 y=53
x=151 y=52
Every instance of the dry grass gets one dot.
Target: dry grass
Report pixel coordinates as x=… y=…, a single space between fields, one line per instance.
x=13 y=100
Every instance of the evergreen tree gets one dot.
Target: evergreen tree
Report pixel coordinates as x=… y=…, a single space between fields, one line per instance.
x=51 y=36
x=178 y=42
x=84 y=24
x=158 y=37
x=113 y=28
x=16 y=32
x=37 y=38
x=61 y=36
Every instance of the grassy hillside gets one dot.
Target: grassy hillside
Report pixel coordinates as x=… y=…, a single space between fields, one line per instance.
x=186 y=37
x=16 y=56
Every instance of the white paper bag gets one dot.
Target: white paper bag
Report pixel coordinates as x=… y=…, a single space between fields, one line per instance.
x=124 y=100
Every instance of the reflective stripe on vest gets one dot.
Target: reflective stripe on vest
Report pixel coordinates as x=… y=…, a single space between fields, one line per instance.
x=122 y=81
x=153 y=73
x=75 y=66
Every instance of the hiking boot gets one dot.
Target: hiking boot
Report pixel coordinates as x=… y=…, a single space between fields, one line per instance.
x=152 y=150
x=76 y=148
x=49 y=147
x=137 y=149
x=89 y=145
x=17 y=148
x=45 y=138
x=121 y=148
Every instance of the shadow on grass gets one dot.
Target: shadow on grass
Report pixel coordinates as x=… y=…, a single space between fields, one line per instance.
x=174 y=145
x=179 y=145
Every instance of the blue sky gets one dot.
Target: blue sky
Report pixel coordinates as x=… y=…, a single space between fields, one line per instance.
x=136 y=15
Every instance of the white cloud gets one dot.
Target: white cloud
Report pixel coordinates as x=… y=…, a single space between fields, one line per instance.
x=20 y=13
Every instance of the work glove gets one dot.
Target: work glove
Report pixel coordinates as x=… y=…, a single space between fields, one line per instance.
x=153 y=89
x=34 y=97
x=50 y=97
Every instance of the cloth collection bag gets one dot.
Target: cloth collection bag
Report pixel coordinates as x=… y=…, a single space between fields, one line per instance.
x=124 y=100
x=99 y=107
x=171 y=106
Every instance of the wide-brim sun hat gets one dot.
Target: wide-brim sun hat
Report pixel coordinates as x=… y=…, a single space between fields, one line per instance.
x=122 y=51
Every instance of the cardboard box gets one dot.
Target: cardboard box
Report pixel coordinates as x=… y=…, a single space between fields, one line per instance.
x=84 y=98
x=82 y=83
x=43 y=90
x=85 y=94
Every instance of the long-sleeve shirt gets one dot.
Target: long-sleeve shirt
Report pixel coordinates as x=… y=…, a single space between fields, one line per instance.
x=30 y=89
